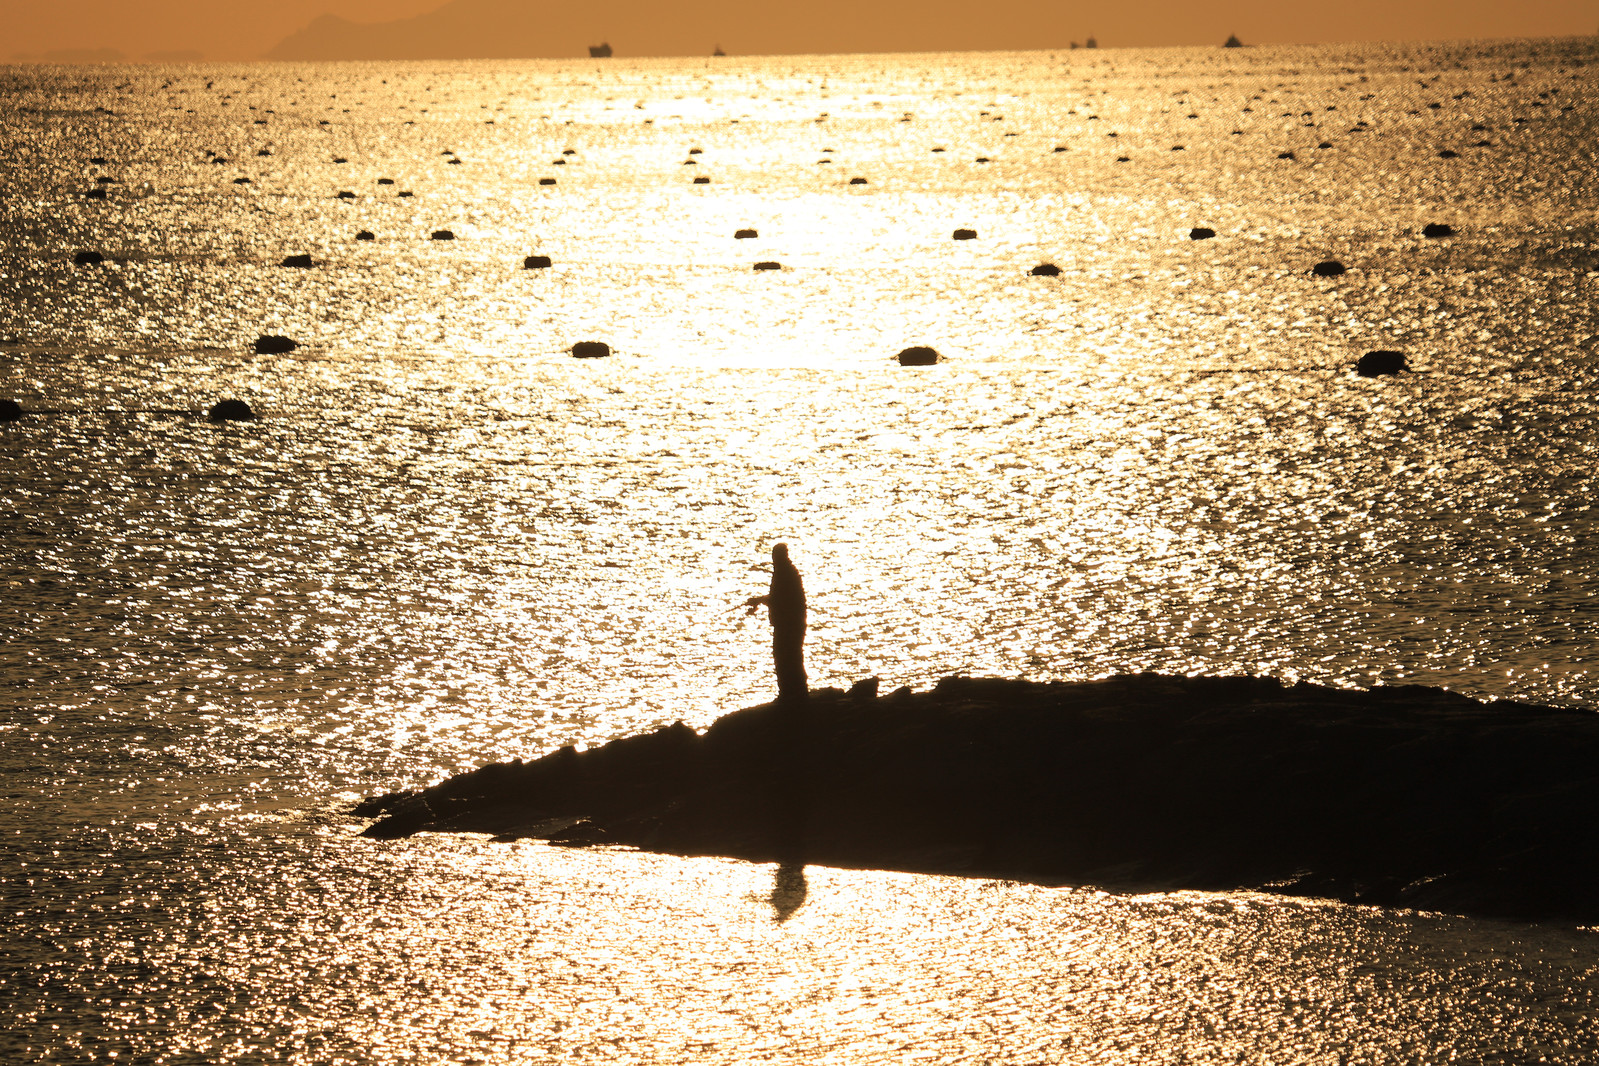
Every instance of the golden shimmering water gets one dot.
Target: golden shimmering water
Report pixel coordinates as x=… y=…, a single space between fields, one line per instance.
x=446 y=541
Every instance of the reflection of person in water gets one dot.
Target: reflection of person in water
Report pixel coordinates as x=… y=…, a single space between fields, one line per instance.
x=785 y=609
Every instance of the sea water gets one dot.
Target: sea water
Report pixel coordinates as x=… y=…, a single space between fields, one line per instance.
x=445 y=541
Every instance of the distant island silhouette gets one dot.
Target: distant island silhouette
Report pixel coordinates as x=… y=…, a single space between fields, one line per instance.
x=1398 y=796
x=510 y=29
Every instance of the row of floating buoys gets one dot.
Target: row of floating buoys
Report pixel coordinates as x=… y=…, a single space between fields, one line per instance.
x=223 y=411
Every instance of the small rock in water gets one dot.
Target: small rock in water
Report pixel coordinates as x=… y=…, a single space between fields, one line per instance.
x=232 y=411
x=1045 y=270
x=10 y=410
x=536 y=262
x=917 y=356
x=88 y=259
x=964 y=235
x=591 y=349
x=1201 y=233
x=301 y=261
x=768 y=266
x=366 y=235
x=274 y=345
x=864 y=689
x=744 y=234
x=1375 y=364
x=443 y=235
x=1329 y=268
x=1438 y=229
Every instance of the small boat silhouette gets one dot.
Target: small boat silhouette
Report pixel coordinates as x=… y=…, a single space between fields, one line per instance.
x=717 y=51
x=1233 y=42
x=600 y=51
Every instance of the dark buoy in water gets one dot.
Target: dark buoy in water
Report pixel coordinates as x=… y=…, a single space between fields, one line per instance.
x=1201 y=233
x=443 y=235
x=1045 y=270
x=1437 y=229
x=88 y=259
x=1329 y=268
x=301 y=261
x=918 y=356
x=1376 y=364
x=744 y=234
x=366 y=235
x=536 y=262
x=10 y=410
x=590 y=349
x=232 y=411
x=768 y=266
x=964 y=235
x=274 y=345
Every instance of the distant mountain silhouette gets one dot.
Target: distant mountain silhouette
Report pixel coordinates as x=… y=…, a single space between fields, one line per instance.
x=511 y=29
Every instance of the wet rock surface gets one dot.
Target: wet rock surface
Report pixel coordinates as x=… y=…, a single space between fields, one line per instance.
x=1403 y=796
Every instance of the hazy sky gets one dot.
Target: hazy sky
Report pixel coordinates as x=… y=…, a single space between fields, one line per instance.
x=222 y=29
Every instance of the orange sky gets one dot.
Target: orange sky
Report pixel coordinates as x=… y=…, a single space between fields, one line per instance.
x=230 y=30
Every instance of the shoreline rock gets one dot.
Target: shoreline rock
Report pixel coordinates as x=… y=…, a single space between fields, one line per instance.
x=1404 y=796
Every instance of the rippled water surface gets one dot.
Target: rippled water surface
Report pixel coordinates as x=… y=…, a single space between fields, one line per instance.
x=446 y=541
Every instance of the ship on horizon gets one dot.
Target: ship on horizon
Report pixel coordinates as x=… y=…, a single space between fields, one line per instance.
x=600 y=51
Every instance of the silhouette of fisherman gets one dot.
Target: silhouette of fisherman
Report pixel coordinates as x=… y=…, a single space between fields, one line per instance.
x=785 y=609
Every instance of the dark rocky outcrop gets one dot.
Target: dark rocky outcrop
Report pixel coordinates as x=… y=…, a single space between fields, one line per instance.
x=231 y=411
x=590 y=350
x=536 y=262
x=1045 y=270
x=302 y=261
x=10 y=410
x=1328 y=268
x=1376 y=364
x=88 y=259
x=274 y=345
x=917 y=356
x=1201 y=233
x=1405 y=796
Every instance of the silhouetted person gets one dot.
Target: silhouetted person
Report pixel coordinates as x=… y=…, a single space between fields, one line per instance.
x=785 y=609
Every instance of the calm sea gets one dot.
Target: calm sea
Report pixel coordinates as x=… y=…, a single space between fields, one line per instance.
x=446 y=541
